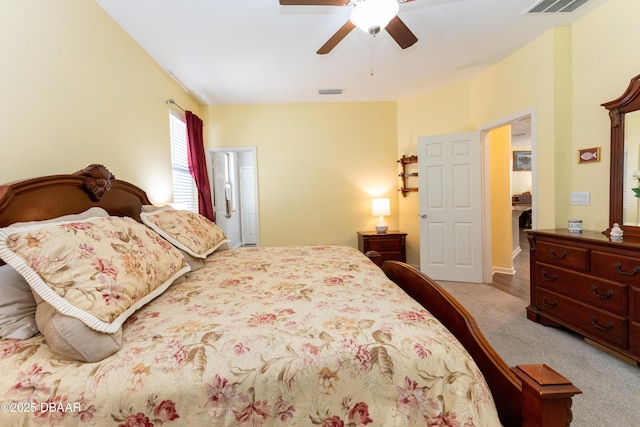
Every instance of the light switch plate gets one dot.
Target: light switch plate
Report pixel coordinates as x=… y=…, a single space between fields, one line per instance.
x=580 y=198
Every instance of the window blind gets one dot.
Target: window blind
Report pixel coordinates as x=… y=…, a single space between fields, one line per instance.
x=184 y=187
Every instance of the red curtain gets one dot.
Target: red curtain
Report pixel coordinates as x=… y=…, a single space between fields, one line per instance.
x=198 y=164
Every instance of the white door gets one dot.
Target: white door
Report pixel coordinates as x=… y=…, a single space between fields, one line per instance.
x=248 y=205
x=449 y=179
x=219 y=200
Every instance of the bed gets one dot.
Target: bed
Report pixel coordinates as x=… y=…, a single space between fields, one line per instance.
x=310 y=335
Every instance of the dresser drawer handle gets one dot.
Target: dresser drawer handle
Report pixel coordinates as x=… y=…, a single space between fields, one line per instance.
x=636 y=270
x=563 y=255
x=594 y=290
x=552 y=305
x=607 y=327
x=548 y=279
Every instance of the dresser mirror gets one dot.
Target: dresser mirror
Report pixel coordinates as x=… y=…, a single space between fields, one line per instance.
x=624 y=112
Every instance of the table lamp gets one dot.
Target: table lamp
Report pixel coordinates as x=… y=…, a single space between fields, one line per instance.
x=381 y=208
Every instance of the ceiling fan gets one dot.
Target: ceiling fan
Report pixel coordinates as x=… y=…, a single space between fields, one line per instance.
x=369 y=15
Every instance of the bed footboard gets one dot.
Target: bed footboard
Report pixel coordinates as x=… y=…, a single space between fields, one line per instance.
x=526 y=395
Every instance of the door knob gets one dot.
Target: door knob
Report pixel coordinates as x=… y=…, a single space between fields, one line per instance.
x=423 y=215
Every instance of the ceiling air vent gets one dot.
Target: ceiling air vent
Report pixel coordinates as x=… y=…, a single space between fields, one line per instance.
x=556 y=6
x=330 y=92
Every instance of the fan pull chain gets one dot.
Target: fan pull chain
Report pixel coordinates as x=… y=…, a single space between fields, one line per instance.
x=373 y=38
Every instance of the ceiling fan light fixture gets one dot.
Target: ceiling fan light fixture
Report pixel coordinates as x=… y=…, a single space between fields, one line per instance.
x=373 y=15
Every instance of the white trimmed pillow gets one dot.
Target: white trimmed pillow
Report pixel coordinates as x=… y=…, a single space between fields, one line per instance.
x=189 y=231
x=17 y=305
x=99 y=270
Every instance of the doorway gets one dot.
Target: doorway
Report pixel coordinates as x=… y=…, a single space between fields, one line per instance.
x=522 y=139
x=234 y=183
x=483 y=233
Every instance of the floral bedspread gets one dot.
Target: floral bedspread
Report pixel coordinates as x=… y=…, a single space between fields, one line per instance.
x=279 y=336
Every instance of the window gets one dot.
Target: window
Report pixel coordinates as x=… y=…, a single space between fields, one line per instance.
x=185 y=195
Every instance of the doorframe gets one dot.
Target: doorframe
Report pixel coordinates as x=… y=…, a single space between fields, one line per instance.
x=238 y=149
x=485 y=168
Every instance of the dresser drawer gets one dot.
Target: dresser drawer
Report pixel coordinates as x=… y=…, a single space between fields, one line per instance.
x=618 y=268
x=634 y=338
x=635 y=304
x=587 y=320
x=565 y=256
x=599 y=293
x=385 y=245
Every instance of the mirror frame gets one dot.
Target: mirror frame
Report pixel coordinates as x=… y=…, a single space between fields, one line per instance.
x=629 y=101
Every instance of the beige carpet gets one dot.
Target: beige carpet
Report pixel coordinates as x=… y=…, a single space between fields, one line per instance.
x=610 y=387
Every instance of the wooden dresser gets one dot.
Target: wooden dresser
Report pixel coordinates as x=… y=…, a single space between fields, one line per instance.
x=390 y=245
x=589 y=284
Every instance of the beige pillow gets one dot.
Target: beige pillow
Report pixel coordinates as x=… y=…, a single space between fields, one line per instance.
x=186 y=230
x=73 y=339
x=98 y=270
x=17 y=306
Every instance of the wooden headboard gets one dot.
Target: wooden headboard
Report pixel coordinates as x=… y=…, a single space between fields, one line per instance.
x=56 y=195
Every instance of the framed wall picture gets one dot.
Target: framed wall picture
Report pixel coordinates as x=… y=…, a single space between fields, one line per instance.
x=522 y=160
x=588 y=155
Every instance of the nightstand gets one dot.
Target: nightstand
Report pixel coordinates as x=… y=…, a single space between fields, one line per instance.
x=390 y=245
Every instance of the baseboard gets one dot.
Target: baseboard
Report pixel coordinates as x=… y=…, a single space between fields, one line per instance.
x=516 y=252
x=501 y=270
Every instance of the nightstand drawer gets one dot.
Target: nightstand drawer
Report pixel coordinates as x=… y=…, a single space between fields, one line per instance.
x=390 y=245
x=385 y=245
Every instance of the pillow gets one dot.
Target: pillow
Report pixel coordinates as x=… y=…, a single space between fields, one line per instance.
x=98 y=270
x=17 y=306
x=189 y=231
x=73 y=339
x=194 y=263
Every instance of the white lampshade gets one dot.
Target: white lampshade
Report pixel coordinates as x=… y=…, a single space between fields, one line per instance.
x=373 y=15
x=381 y=208
x=636 y=174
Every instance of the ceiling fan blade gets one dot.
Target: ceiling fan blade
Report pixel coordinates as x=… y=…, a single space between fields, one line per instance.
x=336 y=38
x=401 y=33
x=314 y=2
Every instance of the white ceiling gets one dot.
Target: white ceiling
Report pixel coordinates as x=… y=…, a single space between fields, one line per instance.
x=256 y=51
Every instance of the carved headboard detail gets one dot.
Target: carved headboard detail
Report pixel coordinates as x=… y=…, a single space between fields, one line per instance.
x=97 y=180
x=52 y=196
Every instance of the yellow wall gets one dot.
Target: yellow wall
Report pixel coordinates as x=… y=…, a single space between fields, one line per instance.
x=523 y=81
x=499 y=147
x=319 y=166
x=603 y=64
x=439 y=112
x=77 y=90
x=563 y=76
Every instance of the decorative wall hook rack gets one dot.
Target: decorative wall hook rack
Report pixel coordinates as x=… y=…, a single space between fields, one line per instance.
x=407 y=172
